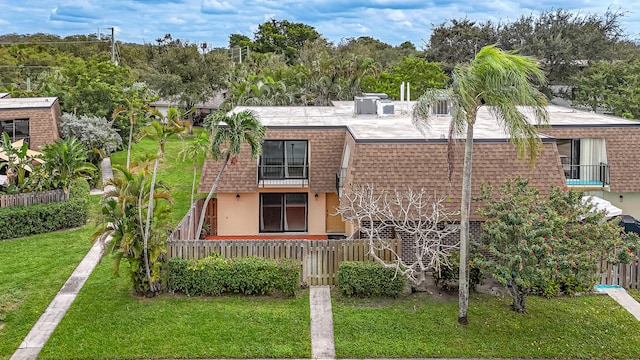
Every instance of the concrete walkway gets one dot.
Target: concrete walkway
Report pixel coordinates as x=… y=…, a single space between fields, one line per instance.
x=322 y=346
x=49 y=320
x=623 y=298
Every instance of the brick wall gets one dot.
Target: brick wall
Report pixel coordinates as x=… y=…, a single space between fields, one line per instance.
x=43 y=123
x=408 y=248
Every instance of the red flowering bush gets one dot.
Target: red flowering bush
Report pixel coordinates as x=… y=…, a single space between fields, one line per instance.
x=549 y=244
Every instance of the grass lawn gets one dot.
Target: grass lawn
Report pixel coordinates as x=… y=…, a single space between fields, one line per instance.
x=107 y=321
x=634 y=293
x=418 y=326
x=32 y=270
x=176 y=174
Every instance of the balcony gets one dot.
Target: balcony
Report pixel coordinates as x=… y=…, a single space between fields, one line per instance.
x=587 y=175
x=278 y=173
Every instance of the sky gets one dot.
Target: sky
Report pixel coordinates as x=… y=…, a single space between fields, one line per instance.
x=212 y=21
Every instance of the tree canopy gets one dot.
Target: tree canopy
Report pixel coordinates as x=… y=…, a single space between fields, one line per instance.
x=549 y=244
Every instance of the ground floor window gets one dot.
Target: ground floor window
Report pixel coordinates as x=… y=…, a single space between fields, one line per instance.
x=283 y=212
x=17 y=129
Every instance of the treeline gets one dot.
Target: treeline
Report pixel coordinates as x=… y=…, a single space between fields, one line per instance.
x=289 y=63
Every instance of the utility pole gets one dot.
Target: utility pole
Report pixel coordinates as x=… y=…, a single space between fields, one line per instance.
x=113 y=44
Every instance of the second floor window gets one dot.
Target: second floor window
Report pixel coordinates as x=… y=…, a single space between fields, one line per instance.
x=284 y=159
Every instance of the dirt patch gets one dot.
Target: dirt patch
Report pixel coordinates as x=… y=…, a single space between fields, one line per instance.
x=490 y=286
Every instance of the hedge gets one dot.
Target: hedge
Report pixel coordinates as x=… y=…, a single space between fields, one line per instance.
x=216 y=276
x=357 y=278
x=20 y=221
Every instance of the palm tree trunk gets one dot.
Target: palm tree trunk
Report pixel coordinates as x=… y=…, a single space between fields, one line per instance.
x=129 y=144
x=210 y=195
x=193 y=190
x=147 y=229
x=465 y=209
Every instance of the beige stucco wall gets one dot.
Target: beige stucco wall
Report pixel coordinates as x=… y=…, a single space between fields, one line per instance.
x=241 y=216
x=238 y=216
x=630 y=203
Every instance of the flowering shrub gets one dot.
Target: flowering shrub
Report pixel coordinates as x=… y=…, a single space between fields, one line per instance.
x=551 y=244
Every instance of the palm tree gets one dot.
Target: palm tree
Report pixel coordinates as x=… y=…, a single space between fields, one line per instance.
x=193 y=150
x=232 y=130
x=123 y=215
x=502 y=81
x=66 y=160
x=134 y=107
x=160 y=133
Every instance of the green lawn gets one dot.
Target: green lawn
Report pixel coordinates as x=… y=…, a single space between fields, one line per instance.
x=107 y=321
x=418 y=326
x=635 y=293
x=32 y=270
x=176 y=174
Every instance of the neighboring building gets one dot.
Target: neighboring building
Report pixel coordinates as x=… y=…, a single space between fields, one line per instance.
x=200 y=110
x=312 y=154
x=33 y=119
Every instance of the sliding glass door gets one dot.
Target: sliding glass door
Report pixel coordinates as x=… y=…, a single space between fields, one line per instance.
x=283 y=212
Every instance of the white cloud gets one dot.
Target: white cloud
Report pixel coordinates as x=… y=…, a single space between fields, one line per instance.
x=216 y=7
x=175 y=20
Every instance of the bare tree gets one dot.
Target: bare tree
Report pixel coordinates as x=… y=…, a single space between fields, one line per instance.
x=414 y=216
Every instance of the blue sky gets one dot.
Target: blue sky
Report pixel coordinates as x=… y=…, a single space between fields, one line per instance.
x=392 y=21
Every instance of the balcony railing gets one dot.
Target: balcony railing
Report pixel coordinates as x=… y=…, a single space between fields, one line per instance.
x=274 y=172
x=587 y=175
x=340 y=175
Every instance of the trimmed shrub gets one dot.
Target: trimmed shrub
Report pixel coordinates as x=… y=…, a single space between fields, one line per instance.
x=448 y=277
x=216 y=276
x=358 y=278
x=19 y=221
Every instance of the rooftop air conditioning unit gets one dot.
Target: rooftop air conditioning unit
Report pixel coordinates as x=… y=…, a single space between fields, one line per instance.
x=381 y=96
x=385 y=108
x=365 y=105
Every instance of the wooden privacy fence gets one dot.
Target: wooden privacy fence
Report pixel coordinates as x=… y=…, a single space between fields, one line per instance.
x=30 y=198
x=181 y=232
x=626 y=276
x=319 y=258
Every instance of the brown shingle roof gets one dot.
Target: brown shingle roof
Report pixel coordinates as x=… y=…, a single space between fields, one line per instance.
x=398 y=166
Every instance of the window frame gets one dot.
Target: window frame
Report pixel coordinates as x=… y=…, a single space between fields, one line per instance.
x=12 y=134
x=283 y=226
x=286 y=161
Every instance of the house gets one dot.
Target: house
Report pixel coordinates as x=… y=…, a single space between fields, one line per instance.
x=312 y=154
x=200 y=109
x=34 y=120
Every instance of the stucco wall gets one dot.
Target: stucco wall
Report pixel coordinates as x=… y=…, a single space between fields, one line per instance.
x=630 y=203
x=241 y=216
